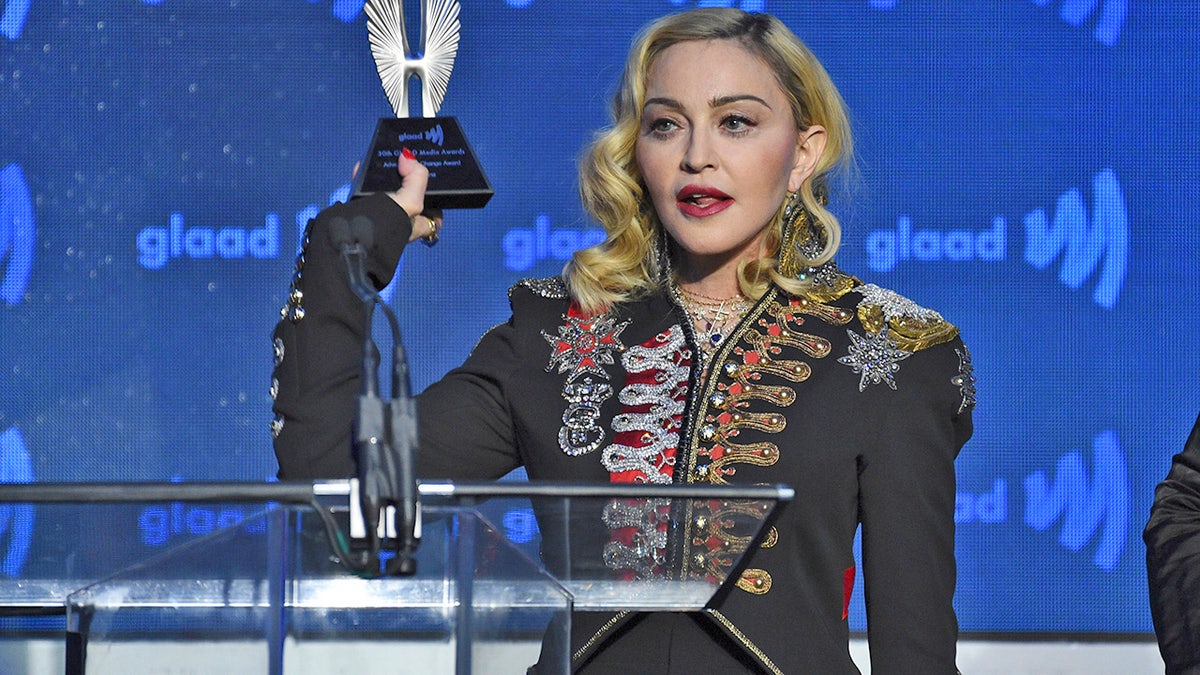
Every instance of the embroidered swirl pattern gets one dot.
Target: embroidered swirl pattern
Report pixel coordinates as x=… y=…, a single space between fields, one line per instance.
x=719 y=530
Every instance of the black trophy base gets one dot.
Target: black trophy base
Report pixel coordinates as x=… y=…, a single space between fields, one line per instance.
x=456 y=181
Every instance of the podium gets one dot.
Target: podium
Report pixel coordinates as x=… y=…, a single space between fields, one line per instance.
x=501 y=571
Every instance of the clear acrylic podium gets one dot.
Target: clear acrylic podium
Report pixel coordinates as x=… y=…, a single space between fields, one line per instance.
x=266 y=594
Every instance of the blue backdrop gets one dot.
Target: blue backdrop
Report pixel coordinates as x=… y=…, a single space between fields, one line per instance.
x=1027 y=167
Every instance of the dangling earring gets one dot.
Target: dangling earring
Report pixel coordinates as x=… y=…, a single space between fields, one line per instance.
x=662 y=255
x=795 y=226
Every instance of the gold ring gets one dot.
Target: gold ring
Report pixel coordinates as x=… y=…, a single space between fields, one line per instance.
x=432 y=237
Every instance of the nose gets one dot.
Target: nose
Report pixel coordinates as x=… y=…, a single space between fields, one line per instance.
x=699 y=153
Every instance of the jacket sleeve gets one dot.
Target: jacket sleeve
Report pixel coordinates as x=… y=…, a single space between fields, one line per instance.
x=906 y=501
x=1172 y=539
x=318 y=343
x=464 y=422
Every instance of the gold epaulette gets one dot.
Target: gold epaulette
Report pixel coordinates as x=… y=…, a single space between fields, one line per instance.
x=911 y=326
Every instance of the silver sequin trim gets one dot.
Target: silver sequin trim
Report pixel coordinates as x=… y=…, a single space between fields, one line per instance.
x=875 y=356
x=894 y=305
x=965 y=380
x=649 y=541
x=274 y=388
x=660 y=430
x=276 y=426
x=551 y=288
x=278 y=343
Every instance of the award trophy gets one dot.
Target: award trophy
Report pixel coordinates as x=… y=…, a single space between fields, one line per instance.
x=455 y=177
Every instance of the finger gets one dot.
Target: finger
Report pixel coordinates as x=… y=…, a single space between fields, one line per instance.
x=414 y=179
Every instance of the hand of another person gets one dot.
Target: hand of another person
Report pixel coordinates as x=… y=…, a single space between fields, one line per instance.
x=414 y=179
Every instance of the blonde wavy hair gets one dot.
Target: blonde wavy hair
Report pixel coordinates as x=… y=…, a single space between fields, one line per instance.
x=625 y=265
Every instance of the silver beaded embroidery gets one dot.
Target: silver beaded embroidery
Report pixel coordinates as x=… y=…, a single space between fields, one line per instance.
x=965 y=379
x=580 y=348
x=583 y=345
x=822 y=275
x=875 y=356
x=277 y=426
x=293 y=308
x=580 y=433
x=278 y=344
x=274 y=388
x=659 y=425
x=551 y=288
x=647 y=548
x=894 y=305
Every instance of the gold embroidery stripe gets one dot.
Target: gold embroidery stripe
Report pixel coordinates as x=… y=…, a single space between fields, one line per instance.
x=601 y=631
x=738 y=635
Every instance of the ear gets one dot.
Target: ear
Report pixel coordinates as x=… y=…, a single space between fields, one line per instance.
x=810 y=145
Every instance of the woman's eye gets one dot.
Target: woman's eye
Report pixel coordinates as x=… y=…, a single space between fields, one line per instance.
x=662 y=126
x=737 y=123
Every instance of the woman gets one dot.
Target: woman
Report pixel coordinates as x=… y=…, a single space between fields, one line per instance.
x=710 y=338
x=1172 y=537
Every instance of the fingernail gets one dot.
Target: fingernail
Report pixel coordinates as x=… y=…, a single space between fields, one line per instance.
x=408 y=154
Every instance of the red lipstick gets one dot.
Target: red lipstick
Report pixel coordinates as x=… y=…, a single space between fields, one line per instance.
x=702 y=200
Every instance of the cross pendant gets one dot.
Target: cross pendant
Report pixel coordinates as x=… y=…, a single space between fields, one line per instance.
x=720 y=313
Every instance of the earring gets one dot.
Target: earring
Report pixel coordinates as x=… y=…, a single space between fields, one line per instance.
x=795 y=227
x=662 y=258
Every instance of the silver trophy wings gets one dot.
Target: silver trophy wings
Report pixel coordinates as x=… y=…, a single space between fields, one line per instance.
x=456 y=180
x=396 y=62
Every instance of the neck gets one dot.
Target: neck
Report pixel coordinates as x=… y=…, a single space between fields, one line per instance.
x=720 y=281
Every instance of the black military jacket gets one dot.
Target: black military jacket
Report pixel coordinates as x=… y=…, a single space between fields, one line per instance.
x=851 y=394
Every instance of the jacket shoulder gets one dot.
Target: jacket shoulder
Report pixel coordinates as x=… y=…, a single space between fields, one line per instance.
x=550 y=288
x=912 y=326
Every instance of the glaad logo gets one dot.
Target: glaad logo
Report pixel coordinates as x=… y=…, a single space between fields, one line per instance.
x=1108 y=26
x=158 y=524
x=435 y=136
x=887 y=247
x=986 y=507
x=523 y=247
x=12 y=21
x=16 y=233
x=1086 y=243
x=1085 y=507
x=16 y=520
x=157 y=245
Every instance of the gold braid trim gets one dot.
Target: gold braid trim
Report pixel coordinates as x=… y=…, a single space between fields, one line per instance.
x=717 y=539
x=579 y=653
x=738 y=635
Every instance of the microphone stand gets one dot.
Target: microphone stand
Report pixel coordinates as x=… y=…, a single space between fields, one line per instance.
x=385 y=432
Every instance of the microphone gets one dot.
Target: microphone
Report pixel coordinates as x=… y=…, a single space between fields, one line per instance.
x=385 y=434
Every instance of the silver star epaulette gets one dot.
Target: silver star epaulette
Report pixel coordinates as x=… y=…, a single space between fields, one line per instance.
x=551 y=288
x=911 y=326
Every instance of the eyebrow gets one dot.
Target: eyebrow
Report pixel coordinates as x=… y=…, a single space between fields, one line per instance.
x=714 y=103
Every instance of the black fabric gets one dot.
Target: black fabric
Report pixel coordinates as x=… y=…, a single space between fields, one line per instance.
x=1172 y=539
x=871 y=454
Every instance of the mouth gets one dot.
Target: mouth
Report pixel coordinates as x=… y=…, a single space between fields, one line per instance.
x=702 y=200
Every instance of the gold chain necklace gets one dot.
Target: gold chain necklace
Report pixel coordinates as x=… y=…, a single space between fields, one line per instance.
x=713 y=318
